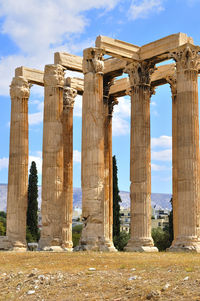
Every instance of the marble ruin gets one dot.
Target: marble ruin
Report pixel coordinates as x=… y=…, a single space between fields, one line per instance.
x=101 y=91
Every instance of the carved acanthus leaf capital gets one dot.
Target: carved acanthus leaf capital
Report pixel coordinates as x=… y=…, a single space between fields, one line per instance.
x=140 y=73
x=111 y=103
x=19 y=88
x=69 y=95
x=54 y=76
x=186 y=58
x=171 y=79
x=93 y=61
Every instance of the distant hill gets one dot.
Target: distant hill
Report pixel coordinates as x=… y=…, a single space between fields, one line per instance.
x=160 y=200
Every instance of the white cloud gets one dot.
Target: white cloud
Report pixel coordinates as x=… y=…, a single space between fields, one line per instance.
x=76 y=156
x=3 y=163
x=78 y=106
x=123 y=108
x=156 y=167
x=36 y=118
x=165 y=155
x=38 y=160
x=162 y=141
x=142 y=9
x=120 y=126
x=153 y=103
x=40 y=28
x=121 y=115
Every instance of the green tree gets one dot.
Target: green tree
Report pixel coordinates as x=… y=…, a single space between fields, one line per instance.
x=171 y=226
x=161 y=239
x=32 y=211
x=116 y=201
x=2 y=223
x=76 y=234
x=121 y=241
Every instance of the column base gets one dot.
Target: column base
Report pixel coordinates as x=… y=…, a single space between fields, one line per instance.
x=143 y=245
x=102 y=246
x=5 y=244
x=185 y=245
x=18 y=246
x=46 y=244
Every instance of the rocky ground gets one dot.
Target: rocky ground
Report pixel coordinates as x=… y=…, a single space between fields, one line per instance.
x=99 y=276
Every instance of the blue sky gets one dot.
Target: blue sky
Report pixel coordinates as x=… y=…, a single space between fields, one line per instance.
x=31 y=31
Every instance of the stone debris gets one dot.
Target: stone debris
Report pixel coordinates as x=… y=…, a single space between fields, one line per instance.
x=30 y=292
x=133 y=278
x=167 y=285
x=154 y=295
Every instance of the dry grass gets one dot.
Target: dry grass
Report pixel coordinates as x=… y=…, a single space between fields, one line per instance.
x=66 y=276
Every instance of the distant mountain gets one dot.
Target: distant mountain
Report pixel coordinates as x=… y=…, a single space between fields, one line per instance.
x=160 y=200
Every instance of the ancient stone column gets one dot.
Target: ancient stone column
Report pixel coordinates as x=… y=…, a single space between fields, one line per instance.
x=140 y=158
x=69 y=95
x=172 y=81
x=17 y=198
x=187 y=154
x=52 y=167
x=93 y=173
x=109 y=103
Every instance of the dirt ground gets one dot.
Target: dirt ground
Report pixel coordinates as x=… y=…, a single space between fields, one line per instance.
x=99 y=276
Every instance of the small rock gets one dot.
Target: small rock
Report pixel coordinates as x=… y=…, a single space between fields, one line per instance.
x=133 y=278
x=31 y=275
x=153 y=294
x=91 y=269
x=167 y=285
x=30 y=292
x=186 y=278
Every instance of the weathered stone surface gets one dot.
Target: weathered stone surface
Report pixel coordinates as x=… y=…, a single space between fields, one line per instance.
x=18 y=164
x=69 y=61
x=33 y=76
x=188 y=191
x=75 y=83
x=5 y=243
x=117 y=48
x=52 y=167
x=69 y=95
x=163 y=46
x=94 y=235
x=172 y=80
x=140 y=157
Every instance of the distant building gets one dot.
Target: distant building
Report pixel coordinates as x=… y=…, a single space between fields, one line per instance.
x=125 y=219
x=160 y=218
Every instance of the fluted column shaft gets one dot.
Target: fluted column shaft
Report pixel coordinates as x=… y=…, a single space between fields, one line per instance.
x=93 y=174
x=188 y=191
x=173 y=85
x=52 y=167
x=69 y=95
x=109 y=103
x=17 y=198
x=140 y=158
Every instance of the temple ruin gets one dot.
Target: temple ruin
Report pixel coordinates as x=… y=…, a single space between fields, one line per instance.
x=101 y=65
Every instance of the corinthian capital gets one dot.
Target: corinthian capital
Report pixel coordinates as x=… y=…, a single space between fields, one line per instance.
x=54 y=76
x=69 y=95
x=140 y=73
x=93 y=61
x=19 y=88
x=187 y=57
x=171 y=79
